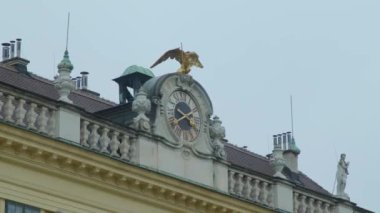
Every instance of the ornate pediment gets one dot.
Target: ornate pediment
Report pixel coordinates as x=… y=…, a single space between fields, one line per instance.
x=181 y=114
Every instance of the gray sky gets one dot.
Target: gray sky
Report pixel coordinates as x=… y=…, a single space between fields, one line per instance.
x=255 y=54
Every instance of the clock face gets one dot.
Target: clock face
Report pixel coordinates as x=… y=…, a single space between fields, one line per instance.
x=183 y=116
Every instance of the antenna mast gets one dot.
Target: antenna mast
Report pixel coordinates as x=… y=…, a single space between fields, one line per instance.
x=67 y=31
x=291 y=114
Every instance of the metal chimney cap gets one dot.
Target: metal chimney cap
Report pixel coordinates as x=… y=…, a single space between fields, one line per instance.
x=13 y=41
x=18 y=39
x=6 y=44
x=84 y=73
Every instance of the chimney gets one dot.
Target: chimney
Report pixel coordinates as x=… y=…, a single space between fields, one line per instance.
x=16 y=63
x=286 y=143
x=5 y=51
x=12 y=49
x=18 y=46
x=84 y=79
x=73 y=79
x=78 y=82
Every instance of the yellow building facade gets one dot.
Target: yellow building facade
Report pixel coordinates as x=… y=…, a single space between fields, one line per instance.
x=160 y=149
x=54 y=176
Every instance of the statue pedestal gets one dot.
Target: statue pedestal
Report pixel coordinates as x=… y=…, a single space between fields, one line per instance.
x=283 y=196
x=343 y=207
x=343 y=196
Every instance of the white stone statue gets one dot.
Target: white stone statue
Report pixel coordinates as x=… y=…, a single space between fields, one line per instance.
x=341 y=177
x=141 y=105
x=217 y=133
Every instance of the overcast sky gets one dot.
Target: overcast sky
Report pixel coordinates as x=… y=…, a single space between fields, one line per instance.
x=255 y=55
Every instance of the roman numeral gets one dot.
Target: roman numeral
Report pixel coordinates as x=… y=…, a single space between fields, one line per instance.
x=180 y=96
x=193 y=132
x=170 y=112
x=178 y=131
x=172 y=121
x=186 y=136
x=197 y=120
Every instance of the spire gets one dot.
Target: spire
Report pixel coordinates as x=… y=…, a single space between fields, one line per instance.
x=63 y=82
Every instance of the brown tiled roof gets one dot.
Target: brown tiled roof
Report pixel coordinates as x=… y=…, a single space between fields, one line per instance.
x=257 y=164
x=35 y=84
x=243 y=158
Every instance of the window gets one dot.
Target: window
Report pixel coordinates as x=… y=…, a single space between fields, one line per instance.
x=13 y=207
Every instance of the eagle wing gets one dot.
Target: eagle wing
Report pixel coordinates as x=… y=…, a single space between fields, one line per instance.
x=172 y=54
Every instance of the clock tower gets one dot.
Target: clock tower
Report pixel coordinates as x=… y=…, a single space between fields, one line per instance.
x=183 y=139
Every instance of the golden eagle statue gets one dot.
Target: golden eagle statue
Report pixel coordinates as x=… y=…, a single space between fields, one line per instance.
x=186 y=59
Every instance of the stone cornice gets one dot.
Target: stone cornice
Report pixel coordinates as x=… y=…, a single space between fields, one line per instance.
x=52 y=156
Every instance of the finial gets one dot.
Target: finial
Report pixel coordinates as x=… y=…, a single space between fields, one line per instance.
x=63 y=82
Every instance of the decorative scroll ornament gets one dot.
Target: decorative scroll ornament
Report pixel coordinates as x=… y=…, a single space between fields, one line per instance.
x=217 y=133
x=63 y=82
x=277 y=161
x=141 y=105
x=185 y=82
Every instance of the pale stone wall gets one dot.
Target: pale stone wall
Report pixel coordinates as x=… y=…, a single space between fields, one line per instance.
x=68 y=125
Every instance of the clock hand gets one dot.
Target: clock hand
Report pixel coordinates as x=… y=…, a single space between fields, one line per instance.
x=186 y=115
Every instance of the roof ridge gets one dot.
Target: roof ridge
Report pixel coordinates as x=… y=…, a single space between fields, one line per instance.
x=314 y=182
x=106 y=101
x=41 y=78
x=246 y=151
x=97 y=98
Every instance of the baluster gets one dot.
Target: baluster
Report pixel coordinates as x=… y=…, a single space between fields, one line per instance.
x=84 y=133
x=255 y=190
x=240 y=184
x=326 y=207
x=1 y=105
x=94 y=137
x=265 y=192
x=124 y=147
x=310 y=206
x=318 y=207
x=331 y=208
x=42 y=120
x=231 y=182
x=31 y=116
x=302 y=206
x=104 y=140
x=269 y=193
x=261 y=192
x=51 y=124
x=132 y=149
x=296 y=202
x=114 y=145
x=247 y=187
x=9 y=108
x=20 y=113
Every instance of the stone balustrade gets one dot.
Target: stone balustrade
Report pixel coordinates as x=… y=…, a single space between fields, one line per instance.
x=304 y=203
x=250 y=187
x=27 y=113
x=107 y=140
